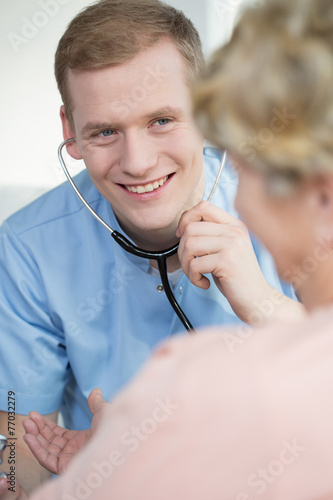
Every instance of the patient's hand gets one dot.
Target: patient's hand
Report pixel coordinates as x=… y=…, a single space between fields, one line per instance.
x=52 y=445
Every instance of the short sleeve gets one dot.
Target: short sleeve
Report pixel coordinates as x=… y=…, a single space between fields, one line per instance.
x=33 y=360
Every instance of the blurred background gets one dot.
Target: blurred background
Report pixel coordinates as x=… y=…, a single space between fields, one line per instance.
x=30 y=125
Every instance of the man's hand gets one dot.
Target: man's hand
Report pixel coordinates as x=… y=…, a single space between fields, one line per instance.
x=17 y=494
x=53 y=446
x=214 y=242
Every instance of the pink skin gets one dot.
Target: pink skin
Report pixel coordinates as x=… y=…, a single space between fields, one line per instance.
x=134 y=141
x=293 y=229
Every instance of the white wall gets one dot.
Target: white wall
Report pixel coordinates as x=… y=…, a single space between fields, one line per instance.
x=30 y=125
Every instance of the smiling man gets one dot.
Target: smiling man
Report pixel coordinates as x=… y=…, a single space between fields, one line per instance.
x=77 y=311
x=147 y=161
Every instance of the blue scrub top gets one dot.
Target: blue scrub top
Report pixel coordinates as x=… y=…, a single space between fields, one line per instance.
x=78 y=312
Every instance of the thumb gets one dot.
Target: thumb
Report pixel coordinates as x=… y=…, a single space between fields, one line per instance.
x=96 y=400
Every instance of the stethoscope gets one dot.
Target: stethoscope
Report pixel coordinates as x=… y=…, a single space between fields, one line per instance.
x=159 y=256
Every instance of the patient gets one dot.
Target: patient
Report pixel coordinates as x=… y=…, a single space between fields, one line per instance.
x=242 y=414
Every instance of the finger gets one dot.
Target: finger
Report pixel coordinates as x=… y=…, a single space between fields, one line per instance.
x=38 y=449
x=34 y=424
x=201 y=239
x=47 y=429
x=30 y=427
x=190 y=251
x=32 y=433
x=193 y=248
x=38 y=443
x=43 y=424
x=46 y=459
x=200 y=281
x=199 y=267
x=206 y=228
x=205 y=211
x=48 y=434
x=96 y=400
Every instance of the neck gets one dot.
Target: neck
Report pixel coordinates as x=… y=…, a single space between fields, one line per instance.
x=154 y=240
x=158 y=241
x=316 y=287
x=172 y=263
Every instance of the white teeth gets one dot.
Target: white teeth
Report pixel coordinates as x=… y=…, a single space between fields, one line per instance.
x=147 y=188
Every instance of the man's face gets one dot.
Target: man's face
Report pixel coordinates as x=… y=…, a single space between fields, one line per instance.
x=135 y=131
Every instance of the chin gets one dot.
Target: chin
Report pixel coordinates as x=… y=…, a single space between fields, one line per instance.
x=149 y=229
x=159 y=222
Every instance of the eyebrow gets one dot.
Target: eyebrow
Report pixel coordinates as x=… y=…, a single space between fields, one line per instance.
x=90 y=126
x=166 y=111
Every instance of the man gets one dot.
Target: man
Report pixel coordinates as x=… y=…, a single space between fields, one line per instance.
x=76 y=309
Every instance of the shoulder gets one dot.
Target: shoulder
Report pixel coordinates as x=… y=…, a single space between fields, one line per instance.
x=58 y=204
x=212 y=159
x=224 y=196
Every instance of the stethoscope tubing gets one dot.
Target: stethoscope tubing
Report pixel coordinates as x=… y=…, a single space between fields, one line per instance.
x=159 y=256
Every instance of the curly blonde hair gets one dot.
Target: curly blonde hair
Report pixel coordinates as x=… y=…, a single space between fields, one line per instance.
x=267 y=96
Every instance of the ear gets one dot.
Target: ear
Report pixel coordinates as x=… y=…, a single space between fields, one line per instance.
x=323 y=185
x=72 y=148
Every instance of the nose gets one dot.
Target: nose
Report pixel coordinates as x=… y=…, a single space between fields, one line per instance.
x=139 y=156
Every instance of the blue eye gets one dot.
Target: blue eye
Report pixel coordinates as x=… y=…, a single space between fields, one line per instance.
x=107 y=133
x=163 y=121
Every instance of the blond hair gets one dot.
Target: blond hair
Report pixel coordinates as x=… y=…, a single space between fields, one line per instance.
x=111 y=32
x=267 y=96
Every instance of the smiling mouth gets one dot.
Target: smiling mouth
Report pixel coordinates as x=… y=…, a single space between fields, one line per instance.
x=147 y=188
